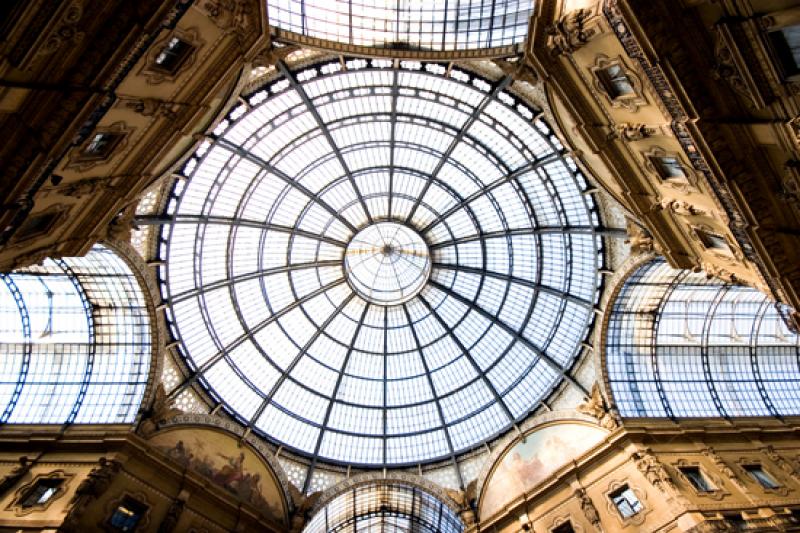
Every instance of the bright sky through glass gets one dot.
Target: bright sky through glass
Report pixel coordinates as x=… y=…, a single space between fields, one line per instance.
x=352 y=361
x=407 y=24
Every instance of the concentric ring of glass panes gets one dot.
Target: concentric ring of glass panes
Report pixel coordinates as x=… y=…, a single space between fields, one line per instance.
x=387 y=263
x=257 y=288
x=406 y=25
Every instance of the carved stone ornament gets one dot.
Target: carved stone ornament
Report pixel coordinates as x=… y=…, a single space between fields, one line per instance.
x=716 y=271
x=680 y=207
x=653 y=470
x=570 y=32
x=632 y=101
x=723 y=467
x=790 y=184
x=595 y=407
x=639 y=239
x=173 y=515
x=270 y=55
x=65 y=32
x=162 y=410
x=17 y=473
x=632 y=132
x=237 y=16
x=92 y=487
x=151 y=107
x=588 y=508
x=726 y=69
x=519 y=69
x=782 y=463
x=120 y=227
x=16 y=504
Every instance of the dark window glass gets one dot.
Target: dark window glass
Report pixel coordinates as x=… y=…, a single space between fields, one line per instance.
x=761 y=476
x=668 y=167
x=101 y=145
x=566 y=527
x=712 y=241
x=616 y=82
x=697 y=479
x=786 y=42
x=127 y=515
x=36 y=225
x=173 y=55
x=41 y=492
x=626 y=502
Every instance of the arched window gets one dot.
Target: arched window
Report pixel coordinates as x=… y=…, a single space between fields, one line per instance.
x=76 y=342
x=681 y=345
x=432 y=25
x=385 y=507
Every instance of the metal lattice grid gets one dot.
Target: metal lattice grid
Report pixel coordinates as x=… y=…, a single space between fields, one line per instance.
x=76 y=344
x=406 y=24
x=255 y=241
x=681 y=345
x=385 y=508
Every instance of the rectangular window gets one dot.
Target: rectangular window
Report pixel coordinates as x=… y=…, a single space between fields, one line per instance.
x=786 y=42
x=127 y=515
x=101 y=145
x=172 y=56
x=761 y=476
x=566 y=527
x=713 y=241
x=41 y=492
x=697 y=479
x=626 y=502
x=615 y=81
x=668 y=167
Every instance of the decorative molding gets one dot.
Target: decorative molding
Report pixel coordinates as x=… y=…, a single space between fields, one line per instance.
x=595 y=406
x=156 y=76
x=653 y=471
x=16 y=503
x=635 y=520
x=723 y=467
x=589 y=509
x=631 y=102
x=718 y=491
x=571 y=31
x=240 y=17
x=685 y=184
x=79 y=161
x=65 y=32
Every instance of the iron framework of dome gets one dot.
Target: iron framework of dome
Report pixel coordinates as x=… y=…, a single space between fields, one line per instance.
x=380 y=264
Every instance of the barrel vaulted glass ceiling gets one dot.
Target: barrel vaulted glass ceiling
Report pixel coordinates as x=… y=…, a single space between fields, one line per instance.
x=407 y=24
x=75 y=344
x=380 y=265
x=681 y=345
x=385 y=508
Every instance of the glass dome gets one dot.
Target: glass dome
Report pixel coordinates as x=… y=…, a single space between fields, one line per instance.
x=380 y=264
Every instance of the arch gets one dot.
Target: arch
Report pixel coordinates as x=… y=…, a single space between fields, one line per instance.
x=678 y=344
x=375 y=504
x=78 y=341
x=524 y=462
x=230 y=462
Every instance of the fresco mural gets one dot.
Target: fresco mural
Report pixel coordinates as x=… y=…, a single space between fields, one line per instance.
x=528 y=462
x=218 y=457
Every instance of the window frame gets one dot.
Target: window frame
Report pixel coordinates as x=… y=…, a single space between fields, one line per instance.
x=618 y=492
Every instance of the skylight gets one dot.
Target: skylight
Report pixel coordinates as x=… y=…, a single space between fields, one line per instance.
x=380 y=266
x=406 y=24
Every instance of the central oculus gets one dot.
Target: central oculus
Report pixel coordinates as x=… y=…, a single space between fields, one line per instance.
x=387 y=263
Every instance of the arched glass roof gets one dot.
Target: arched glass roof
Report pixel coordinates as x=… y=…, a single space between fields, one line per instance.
x=385 y=508
x=406 y=24
x=75 y=344
x=377 y=265
x=682 y=345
